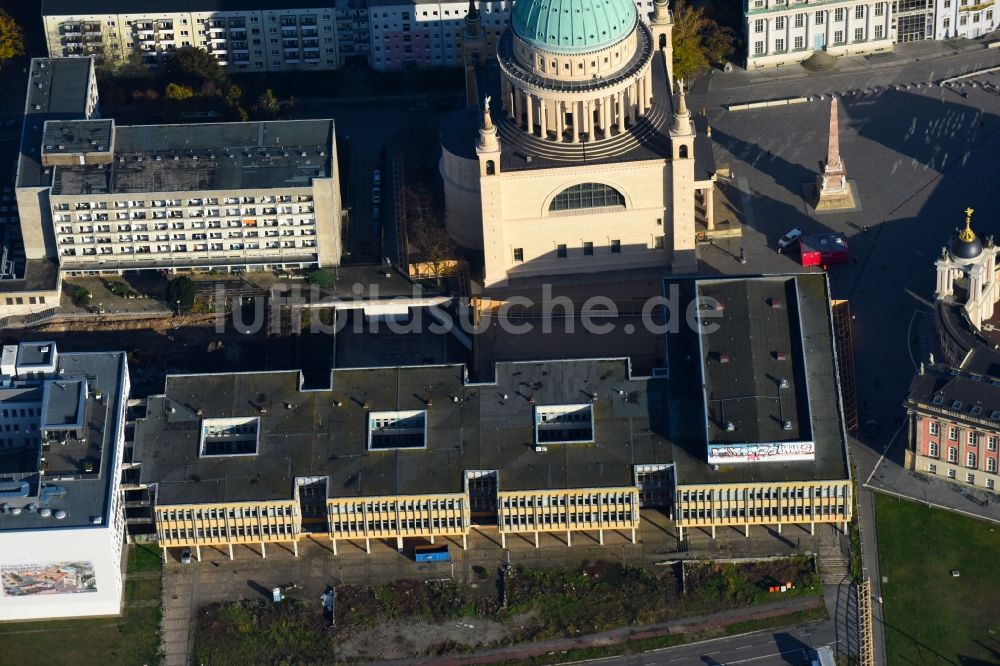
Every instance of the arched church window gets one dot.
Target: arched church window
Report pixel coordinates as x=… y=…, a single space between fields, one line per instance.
x=491 y=168
x=684 y=152
x=587 y=195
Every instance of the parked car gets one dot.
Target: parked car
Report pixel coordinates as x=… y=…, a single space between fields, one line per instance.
x=186 y=556
x=376 y=195
x=789 y=238
x=377 y=177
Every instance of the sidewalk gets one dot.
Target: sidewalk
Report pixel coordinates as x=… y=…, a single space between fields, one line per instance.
x=620 y=636
x=903 y=54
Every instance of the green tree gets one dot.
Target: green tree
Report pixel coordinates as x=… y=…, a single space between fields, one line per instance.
x=178 y=92
x=267 y=106
x=11 y=38
x=180 y=293
x=193 y=67
x=321 y=277
x=698 y=41
x=82 y=297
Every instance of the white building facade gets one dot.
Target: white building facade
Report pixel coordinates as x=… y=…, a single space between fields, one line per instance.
x=965 y=18
x=782 y=32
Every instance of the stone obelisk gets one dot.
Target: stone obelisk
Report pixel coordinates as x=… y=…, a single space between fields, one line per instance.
x=833 y=192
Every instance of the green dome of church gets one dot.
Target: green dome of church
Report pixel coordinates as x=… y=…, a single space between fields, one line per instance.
x=573 y=26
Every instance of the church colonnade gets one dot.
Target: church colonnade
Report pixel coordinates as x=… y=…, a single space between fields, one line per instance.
x=577 y=117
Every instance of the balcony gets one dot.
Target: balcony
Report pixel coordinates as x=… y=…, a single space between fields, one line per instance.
x=72 y=29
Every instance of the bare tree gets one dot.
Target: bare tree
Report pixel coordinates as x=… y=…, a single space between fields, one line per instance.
x=427 y=232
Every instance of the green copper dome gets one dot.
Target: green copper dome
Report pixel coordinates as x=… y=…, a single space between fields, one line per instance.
x=572 y=26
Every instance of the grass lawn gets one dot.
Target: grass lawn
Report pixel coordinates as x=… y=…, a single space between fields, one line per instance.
x=931 y=617
x=132 y=639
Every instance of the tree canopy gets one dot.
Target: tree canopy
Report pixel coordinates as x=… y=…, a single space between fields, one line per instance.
x=193 y=67
x=11 y=37
x=180 y=292
x=698 y=41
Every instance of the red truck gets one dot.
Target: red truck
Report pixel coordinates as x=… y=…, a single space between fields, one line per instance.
x=824 y=249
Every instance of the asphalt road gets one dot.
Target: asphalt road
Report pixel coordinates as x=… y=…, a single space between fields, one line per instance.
x=787 y=647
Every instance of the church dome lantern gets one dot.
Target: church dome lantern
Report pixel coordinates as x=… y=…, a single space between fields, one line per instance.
x=965 y=244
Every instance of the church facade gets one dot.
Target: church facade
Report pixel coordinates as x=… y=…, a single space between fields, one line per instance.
x=573 y=156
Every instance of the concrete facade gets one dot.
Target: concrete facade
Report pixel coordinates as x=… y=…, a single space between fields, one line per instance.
x=300 y=36
x=780 y=33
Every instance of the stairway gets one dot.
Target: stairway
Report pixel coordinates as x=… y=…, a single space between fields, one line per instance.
x=819 y=61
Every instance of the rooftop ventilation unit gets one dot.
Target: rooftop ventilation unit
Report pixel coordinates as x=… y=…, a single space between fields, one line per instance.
x=730 y=426
x=787 y=425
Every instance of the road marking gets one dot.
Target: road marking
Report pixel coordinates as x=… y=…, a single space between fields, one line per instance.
x=909 y=337
x=884 y=451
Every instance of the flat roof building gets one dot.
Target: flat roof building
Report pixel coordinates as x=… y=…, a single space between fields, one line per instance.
x=546 y=446
x=62 y=522
x=103 y=198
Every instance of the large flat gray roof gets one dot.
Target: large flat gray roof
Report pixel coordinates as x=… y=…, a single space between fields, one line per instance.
x=490 y=427
x=57 y=90
x=819 y=375
x=742 y=362
x=210 y=156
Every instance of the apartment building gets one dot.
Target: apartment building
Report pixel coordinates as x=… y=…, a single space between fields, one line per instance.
x=251 y=36
x=424 y=35
x=62 y=521
x=354 y=34
x=257 y=195
x=953 y=423
x=782 y=32
x=97 y=197
x=965 y=18
x=553 y=447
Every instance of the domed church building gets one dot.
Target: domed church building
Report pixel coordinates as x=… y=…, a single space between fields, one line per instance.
x=966 y=274
x=574 y=156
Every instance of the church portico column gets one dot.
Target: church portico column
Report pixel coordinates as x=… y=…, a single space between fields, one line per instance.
x=560 y=120
x=576 y=123
x=543 y=118
x=620 y=103
x=530 y=112
x=518 y=104
x=649 y=87
x=631 y=104
x=589 y=119
x=602 y=115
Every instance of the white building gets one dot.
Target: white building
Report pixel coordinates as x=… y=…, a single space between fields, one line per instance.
x=965 y=18
x=252 y=36
x=779 y=32
x=97 y=197
x=62 y=521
